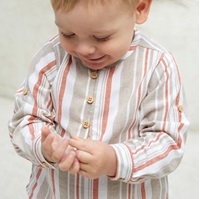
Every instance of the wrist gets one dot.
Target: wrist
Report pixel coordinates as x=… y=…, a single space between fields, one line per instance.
x=50 y=162
x=112 y=163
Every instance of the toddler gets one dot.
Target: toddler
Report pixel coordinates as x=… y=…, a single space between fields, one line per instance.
x=101 y=113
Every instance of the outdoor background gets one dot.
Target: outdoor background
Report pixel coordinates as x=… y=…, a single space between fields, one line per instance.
x=26 y=25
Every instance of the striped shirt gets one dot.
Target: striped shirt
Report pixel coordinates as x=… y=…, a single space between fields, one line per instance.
x=135 y=105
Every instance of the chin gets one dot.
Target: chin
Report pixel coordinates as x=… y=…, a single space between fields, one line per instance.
x=95 y=66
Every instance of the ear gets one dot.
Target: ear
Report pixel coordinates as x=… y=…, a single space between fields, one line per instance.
x=142 y=11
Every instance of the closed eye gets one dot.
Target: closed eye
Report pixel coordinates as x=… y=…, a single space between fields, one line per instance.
x=68 y=36
x=102 y=39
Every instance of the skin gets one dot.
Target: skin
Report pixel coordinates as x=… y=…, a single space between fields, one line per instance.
x=57 y=151
x=99 y=36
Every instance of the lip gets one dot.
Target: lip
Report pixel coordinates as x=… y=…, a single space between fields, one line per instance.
x=94 y=60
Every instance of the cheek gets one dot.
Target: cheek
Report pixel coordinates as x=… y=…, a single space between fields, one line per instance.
x=124 y=44
x=121 y=44
x=118 y=49
x=67 y=46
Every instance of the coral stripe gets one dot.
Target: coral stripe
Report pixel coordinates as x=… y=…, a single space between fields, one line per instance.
x=143 y=191
x=95 y=189
x=160 y=157
x=107 y=102
x=166 y=96
x=62 y=89
x=129 y=191
x=35 y=185
x=132 y=48
x=35 y=94
x=38 y=83
x=77 y=186
x=53 y=181
x=63 y=133
x=139 y=91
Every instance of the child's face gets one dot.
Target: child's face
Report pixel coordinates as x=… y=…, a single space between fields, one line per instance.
x=98 y=35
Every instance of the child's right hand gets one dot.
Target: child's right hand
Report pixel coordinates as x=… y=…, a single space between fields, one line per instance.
x=57 y=150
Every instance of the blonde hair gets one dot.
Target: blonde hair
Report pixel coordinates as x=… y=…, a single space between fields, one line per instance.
x=68 y=5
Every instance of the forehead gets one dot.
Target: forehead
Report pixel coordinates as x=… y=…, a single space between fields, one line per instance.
x=83 y=19
x=68 y=5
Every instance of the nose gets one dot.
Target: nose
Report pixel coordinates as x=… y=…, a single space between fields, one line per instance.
x=85 y=48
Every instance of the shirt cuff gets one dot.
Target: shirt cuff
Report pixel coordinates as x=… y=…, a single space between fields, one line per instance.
x=124 y=163
x=37 y=149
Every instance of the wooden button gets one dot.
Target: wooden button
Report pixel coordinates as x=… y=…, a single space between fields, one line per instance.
x=45 y=164
x=90 y=99
x=94 y=75
x=180 y=108
x=86 y=124
x=25 y=91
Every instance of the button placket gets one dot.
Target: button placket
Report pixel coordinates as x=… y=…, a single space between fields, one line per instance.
x=86 y=123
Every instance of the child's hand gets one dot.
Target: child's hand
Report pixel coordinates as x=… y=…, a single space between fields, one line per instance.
x=96 y=158
x=57 y=150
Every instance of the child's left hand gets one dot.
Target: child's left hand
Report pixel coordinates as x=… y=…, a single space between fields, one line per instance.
x=95 y=157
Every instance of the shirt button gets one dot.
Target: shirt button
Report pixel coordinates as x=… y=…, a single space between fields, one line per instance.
x=94 y=75
x=90 y=99
x=86 y=124
x=180 y=108
x=121 y=179
x=25 y=91
x=45 y=164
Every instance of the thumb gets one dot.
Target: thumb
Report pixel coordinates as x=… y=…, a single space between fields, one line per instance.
x=45 y=132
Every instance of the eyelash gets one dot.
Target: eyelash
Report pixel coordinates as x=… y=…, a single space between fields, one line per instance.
x=67 y=36
x=102 y=39
x=98 y=39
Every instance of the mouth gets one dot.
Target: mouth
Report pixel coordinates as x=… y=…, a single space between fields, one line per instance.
x=94 y=60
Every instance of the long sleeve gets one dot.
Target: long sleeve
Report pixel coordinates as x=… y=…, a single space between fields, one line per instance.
x=33 y=106
x=159 y=146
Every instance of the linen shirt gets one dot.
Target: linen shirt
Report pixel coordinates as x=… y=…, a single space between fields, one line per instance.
x=136 y=105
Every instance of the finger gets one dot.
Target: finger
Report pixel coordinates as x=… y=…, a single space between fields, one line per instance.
x=75 y=166
x=86 y=174
x=60 y=150
x=47 y=143
x=83 y=145
x=67 y=161
x=47 y=149
x=69 y=148
x=53 y=131
x=77 y=138
x=83 y=173
x=45 y=132
x=85 y=167
x=78 y=144
x=83 y=157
